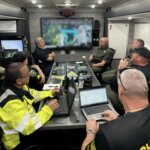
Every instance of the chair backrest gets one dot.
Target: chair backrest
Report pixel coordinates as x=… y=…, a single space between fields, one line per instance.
x=111 y=58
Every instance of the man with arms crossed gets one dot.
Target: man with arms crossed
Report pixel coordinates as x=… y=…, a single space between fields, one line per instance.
x=42 y=58
x=102 y=56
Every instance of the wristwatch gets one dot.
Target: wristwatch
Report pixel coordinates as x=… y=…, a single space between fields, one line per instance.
x=89 y=131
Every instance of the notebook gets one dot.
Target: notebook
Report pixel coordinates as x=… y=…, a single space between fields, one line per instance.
x=50 y=86
x=65 y=101
x=93 y=101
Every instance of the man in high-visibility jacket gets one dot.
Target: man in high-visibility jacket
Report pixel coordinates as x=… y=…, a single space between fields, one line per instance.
x=17 y=115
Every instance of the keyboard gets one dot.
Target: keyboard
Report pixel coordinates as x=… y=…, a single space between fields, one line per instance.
x=96 y=109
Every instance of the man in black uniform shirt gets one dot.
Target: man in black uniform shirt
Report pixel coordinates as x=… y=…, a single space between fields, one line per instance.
x=42 y=58
x=140 y=59
x=130 y=131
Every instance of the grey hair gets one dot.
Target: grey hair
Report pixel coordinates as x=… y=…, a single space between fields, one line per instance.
x=135 y=83
x=141 y=42
x=38 y=39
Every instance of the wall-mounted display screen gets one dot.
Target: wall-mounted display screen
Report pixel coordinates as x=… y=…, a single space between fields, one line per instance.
x=10 y=47
x=73 y=33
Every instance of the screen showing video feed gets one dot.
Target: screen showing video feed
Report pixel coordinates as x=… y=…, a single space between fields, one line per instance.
x=74 y=33
x=12 y=44
x=10 y=47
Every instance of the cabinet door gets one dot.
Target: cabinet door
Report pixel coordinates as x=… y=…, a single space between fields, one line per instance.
x=118 y=38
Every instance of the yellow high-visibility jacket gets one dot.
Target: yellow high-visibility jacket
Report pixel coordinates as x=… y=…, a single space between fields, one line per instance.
x=17 y=115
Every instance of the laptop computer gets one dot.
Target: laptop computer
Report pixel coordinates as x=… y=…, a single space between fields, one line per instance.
x=93 y=101
x=66 y=100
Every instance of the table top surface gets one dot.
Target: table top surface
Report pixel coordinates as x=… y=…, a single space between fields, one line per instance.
x=79 y=71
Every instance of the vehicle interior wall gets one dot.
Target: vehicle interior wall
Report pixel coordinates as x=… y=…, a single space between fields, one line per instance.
x=35 y=29
x=138 y=24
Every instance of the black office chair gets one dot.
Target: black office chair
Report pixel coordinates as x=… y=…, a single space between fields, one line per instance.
x=109 y=64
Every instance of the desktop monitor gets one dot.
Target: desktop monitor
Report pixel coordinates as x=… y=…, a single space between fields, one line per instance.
x=67 y=33
x=10 y=47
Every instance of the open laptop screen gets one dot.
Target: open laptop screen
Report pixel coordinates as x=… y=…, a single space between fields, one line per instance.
x=95 y=95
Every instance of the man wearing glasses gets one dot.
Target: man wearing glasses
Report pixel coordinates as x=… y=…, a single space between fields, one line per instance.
x=17 y=115
x=136 y=43
x=130 y=131
x=140 y=59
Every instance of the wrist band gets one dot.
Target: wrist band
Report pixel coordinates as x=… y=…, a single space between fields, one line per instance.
x=89 y=131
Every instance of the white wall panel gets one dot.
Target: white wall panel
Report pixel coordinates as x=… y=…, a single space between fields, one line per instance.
x=142 y=31
x=118 y=38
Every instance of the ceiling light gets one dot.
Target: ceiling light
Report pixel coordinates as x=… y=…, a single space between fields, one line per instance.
x=39 y=6
x=67 y=4
x=33 y=2
x=130 y=18
x=100 y=1
x=92 y=6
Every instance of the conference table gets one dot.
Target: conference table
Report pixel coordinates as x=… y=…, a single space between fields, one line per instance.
x=80 y=72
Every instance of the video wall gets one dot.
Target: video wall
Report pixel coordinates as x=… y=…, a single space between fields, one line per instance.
x=73 y=33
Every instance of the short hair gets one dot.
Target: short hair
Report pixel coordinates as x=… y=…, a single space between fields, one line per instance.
x=141 y=42
x=13 y=72
x=20 y=57
x=38 y=39
x=135 y=83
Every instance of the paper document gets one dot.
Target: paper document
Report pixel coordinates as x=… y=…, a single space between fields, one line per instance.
x=50 y=86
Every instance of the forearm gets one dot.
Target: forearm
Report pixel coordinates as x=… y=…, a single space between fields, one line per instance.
x=40 y=95
x=100 y=64
x=89 y=138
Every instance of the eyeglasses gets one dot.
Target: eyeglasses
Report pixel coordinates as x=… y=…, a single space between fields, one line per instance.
x=119 y=76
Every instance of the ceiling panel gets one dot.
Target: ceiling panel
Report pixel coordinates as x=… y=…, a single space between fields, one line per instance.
x=61 y=3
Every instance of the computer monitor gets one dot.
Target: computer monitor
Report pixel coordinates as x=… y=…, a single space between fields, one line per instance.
x=10 y=47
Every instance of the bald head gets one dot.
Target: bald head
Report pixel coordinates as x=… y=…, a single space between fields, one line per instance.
x=103 y=42
x=133 y=83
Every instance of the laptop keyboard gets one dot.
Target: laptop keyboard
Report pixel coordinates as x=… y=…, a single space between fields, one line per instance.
x=96 y=109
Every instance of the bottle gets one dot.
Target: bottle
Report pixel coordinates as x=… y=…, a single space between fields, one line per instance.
x=81 y=81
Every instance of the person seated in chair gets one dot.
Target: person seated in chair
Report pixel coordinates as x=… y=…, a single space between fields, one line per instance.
x=42 y=58
x=140 y=59
x=136 y=43
x=101 y=58
x=37 y=77
x=129 y=131
x=17 y=115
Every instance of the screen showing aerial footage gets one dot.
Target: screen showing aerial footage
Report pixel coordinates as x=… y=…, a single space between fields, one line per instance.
x=75 y=33
x=12 y=44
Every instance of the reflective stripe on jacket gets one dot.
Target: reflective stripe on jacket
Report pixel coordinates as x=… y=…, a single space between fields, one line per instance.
x=91 y=146
x=17 y=114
